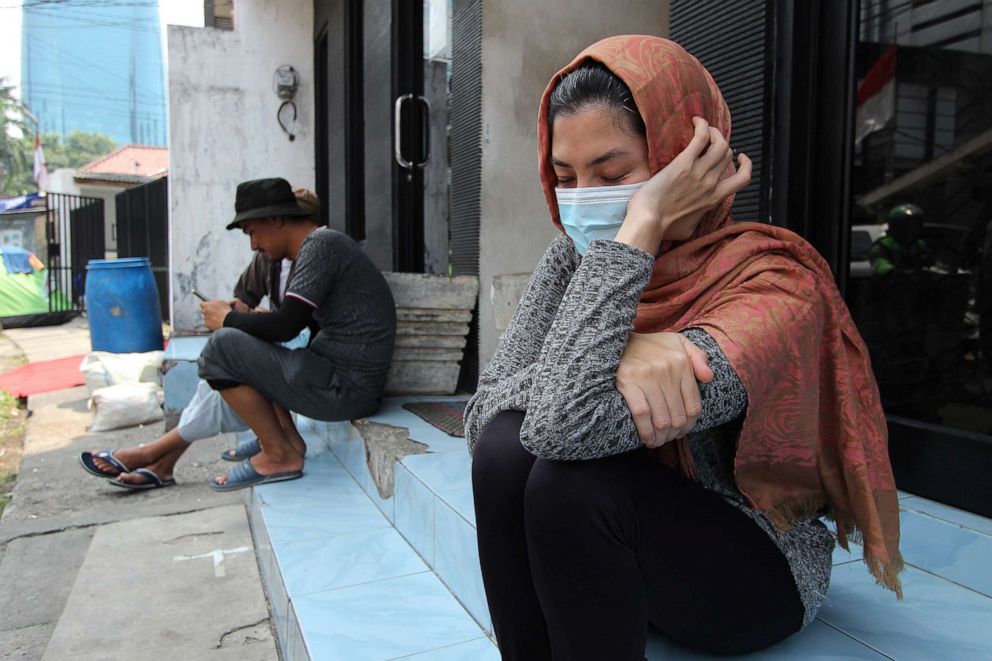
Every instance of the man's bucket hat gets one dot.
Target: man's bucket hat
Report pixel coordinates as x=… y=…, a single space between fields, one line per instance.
x=264 y=198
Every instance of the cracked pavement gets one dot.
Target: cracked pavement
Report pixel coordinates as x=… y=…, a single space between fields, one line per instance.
x=88 y=571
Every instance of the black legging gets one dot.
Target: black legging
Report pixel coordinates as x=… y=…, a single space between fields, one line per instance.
x=577 y=557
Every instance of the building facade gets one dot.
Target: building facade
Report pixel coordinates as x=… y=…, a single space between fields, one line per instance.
x=95 y=69
x=224 y=129
x=420 y=120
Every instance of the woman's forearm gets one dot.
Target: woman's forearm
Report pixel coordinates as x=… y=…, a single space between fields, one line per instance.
x=505 y=382
x=575 y=410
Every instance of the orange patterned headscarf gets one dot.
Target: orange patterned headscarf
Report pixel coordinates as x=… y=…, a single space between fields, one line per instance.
x=814 y=439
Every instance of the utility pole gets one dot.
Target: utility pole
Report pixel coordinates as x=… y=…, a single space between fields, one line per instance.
x=133 y=92
x=30 y=115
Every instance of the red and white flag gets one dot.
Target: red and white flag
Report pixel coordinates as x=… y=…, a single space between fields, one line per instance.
x=877 y=96
x=40 y=169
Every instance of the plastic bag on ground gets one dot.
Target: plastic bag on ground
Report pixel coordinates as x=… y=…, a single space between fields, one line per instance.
x=102 y=369
x=125 y=405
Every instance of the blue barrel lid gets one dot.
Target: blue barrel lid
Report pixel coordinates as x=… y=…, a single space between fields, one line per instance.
x=122 y=263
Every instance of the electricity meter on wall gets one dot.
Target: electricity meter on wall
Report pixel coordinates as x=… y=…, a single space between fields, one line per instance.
x=286 y=82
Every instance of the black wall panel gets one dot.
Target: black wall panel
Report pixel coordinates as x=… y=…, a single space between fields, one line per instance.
x=733 y=40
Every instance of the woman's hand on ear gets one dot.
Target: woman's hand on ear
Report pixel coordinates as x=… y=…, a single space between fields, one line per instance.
x=673 y=201
x=657 y=377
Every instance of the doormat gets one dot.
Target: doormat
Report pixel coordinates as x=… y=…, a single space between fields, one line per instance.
x=446 y=416
x=43 y=376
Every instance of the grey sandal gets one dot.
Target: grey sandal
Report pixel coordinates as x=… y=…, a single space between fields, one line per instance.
x=244 y=475
x=86 y=460
x=154 y=481
x=245 y=450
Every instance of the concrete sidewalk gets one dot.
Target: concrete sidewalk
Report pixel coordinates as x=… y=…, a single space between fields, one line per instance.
x=90 y=571
x=52 y=342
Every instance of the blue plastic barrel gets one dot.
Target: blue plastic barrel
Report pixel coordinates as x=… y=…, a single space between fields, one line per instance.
x=122 y=305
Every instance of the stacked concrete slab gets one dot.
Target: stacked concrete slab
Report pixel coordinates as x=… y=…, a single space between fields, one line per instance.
x=433 y=314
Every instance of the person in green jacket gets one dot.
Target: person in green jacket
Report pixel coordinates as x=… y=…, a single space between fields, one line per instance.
x=902 y=248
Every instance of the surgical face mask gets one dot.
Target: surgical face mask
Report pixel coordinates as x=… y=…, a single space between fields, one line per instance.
x=594 y=213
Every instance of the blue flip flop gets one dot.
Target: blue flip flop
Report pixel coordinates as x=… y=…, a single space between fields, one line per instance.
x=154 y=481
x=245 y=450
x=86 y=460
x=244 y=475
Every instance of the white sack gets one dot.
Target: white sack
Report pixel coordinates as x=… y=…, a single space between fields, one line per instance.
x=102 y=369
x=125 y=405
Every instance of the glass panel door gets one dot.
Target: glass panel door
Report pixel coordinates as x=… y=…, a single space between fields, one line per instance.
x=437 y=77
x=920 y=273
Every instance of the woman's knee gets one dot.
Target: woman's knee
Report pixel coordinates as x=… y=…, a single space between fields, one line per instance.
x=566 y=495
x=498 y=451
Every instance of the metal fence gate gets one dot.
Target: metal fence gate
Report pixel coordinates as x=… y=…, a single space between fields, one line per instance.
x=143 y=231
x=74 y=230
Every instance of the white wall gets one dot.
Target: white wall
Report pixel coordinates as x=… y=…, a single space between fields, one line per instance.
x=523 y=44
x=60 y=180
x=223 y=130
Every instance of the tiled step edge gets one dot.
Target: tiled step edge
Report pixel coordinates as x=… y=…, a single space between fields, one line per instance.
x=296 y=630
x=439 y=525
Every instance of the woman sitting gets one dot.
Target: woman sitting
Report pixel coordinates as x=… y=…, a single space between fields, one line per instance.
x=676 y=474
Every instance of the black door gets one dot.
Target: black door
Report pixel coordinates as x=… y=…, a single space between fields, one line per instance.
x=143 y=231
x=873 y=116
x=920 y=274
x=75 y=235
x=373 y=125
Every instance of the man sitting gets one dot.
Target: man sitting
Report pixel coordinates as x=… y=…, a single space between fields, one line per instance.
x=340 y=375
x=151 y=466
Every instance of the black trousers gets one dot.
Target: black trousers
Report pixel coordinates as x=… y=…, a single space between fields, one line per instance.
x=579 y=557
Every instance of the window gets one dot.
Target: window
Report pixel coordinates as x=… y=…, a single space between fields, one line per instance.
x=218 y=14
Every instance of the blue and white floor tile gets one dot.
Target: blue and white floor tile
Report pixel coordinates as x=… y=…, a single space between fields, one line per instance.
x=456 y=561
x=383 y=620
x=957 y=554
x=936 y=620
x=414 y=512
x=345 y=560
x=480 y=649
x=817 y=641
x=352 y=586
x=324 y=546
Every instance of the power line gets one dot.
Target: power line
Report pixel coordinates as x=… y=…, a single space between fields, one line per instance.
x=90 y=22
x=99 y=20
x=60 y=58
x=52 y=90
x=31 y=4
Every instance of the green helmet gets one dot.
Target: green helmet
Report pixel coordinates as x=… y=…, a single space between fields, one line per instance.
x=905 y=223
x=901 y=211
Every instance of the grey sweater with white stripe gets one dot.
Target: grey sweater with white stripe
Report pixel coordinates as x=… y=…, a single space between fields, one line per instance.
x=558 y=362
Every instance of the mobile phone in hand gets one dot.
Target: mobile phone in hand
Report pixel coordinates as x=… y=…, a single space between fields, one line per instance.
x=199 y=295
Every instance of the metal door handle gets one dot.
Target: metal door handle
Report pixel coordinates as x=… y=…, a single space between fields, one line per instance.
x=426 y=132
x=398 y=132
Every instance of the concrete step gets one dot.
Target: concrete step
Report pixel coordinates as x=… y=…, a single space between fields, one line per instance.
x=36 y=576
x=948 y=586
x=342 y=582
x=183 y=588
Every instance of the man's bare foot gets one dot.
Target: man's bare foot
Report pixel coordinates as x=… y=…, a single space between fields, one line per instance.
x=133 y=458
x=265 y=465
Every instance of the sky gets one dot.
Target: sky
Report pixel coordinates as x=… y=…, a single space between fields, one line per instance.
x=173 y=12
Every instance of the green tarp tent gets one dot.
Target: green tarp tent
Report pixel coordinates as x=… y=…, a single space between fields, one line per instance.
x=24 y=298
